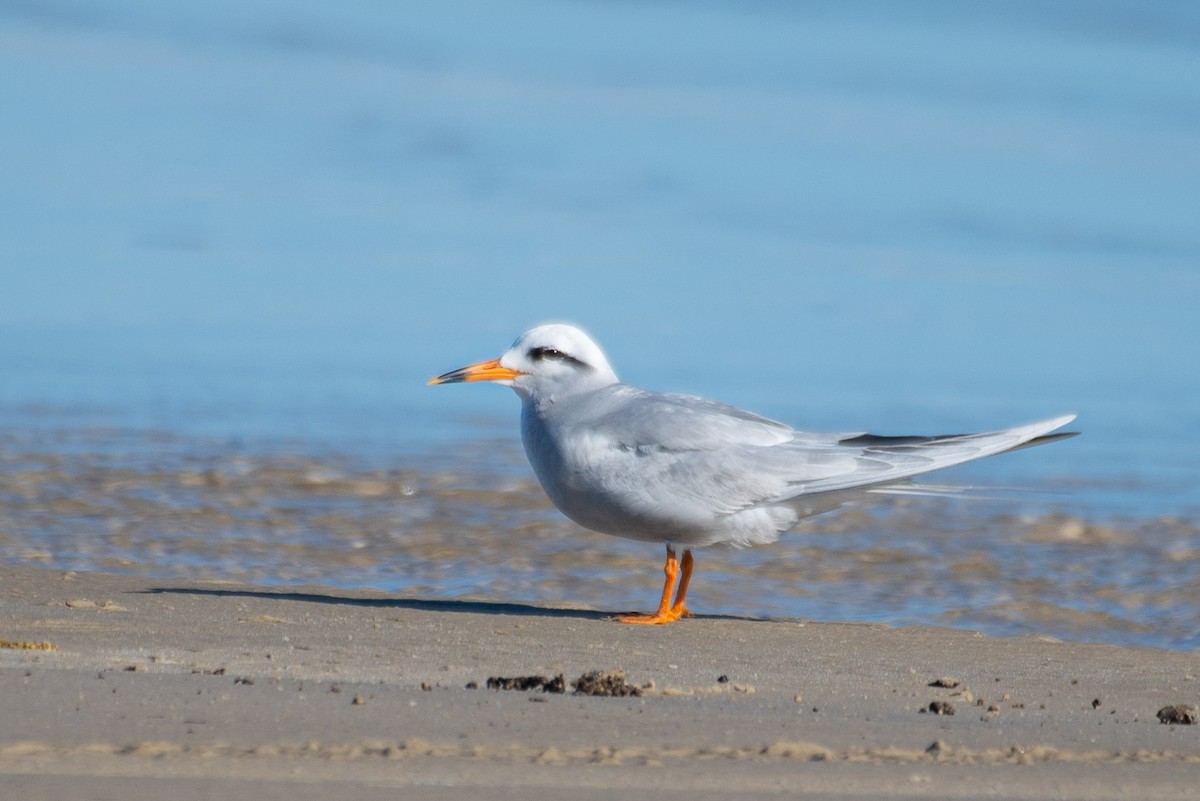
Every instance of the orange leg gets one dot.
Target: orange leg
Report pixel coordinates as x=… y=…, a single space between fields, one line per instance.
x=678 y=609
x=668 y=612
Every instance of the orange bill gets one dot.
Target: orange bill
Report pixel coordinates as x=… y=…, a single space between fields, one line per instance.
x=483 y=371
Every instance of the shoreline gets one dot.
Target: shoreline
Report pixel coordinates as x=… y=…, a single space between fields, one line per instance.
x=146 y=686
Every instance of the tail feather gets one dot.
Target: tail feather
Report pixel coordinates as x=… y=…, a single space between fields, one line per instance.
x=965 y=492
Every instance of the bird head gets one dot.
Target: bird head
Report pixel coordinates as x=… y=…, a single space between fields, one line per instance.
x=546 y=362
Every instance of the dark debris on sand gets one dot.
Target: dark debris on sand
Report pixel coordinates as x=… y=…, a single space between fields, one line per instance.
x=939 y=708
x=610 y=683
x=1182 y=714
x=526 y=683
x=605 y=683
x=946 y=682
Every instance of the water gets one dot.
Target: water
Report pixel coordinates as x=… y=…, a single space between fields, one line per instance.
x=237 y=238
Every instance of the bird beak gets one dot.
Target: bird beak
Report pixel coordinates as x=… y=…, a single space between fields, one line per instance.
x=483 y=371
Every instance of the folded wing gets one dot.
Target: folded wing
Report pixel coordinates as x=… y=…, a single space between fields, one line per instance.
x=710 y=458
x=877 y=460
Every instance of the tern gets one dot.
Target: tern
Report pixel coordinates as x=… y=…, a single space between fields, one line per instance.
x=691 y=472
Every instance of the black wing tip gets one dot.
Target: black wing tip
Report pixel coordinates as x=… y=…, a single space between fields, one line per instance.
x=881 y=441
x=1048 y=438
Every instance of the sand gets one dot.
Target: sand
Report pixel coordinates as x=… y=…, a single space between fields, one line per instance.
x=135 y=688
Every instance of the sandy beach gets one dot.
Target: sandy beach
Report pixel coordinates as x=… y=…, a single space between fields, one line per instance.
x=129 y=687
x=247 y=552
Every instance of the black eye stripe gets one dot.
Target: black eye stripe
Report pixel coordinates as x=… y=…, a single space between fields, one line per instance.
x=553 y=354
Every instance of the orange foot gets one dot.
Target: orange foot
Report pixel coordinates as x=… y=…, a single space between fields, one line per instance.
x=661 y=616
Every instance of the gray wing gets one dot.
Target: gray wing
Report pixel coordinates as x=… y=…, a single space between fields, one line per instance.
x=636 y=419
x=695 y=452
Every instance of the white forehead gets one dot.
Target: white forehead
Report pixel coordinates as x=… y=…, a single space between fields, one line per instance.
x=560 y=336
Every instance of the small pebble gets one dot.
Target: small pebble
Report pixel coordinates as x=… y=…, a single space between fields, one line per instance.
x=941 y=707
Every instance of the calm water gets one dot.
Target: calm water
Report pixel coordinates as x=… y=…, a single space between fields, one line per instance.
x=236 y=239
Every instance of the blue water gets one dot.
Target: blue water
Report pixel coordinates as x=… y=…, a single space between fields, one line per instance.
x=270 y=222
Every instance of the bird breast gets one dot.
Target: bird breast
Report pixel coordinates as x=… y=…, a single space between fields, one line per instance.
x=639 y=492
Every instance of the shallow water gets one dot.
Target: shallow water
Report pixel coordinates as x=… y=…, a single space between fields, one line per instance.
x=236 y=239
x=480 y=527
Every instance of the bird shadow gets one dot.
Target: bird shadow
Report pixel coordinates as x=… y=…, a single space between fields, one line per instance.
x=416 y=604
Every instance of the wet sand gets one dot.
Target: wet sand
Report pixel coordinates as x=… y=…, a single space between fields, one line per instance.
x=119 y=686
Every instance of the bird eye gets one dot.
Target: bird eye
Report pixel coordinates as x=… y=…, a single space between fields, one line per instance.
x=539 y=354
